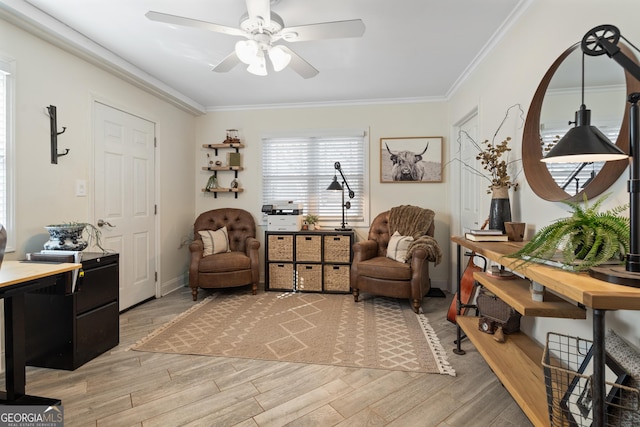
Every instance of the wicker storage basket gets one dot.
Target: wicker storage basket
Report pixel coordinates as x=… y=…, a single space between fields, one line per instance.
x=280 y=247
x=309 y=277
x=337 y=278
x=308 y=248
x=281 y=276
x=337 y=249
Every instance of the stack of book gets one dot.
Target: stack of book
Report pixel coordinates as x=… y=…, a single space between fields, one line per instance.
x=486 y=236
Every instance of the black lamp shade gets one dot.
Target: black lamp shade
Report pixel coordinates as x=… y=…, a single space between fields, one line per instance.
x=335 y=185
x=584 y=143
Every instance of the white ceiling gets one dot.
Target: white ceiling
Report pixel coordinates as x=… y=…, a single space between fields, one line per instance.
x=411 y=49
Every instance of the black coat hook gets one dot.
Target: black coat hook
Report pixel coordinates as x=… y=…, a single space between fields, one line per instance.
x=53 y=118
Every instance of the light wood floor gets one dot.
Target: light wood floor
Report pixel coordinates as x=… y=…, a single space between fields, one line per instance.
x=131 y=388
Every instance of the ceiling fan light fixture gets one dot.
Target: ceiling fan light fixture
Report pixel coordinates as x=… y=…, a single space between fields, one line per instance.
x=279 y=58
x=259 y=65
x=247 y=50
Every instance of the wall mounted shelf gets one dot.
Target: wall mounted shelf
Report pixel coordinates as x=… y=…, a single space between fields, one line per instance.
x=216 y=147
x=223 y=168
x=215 y=191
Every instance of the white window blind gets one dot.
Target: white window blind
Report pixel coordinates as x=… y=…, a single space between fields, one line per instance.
x=301 y=168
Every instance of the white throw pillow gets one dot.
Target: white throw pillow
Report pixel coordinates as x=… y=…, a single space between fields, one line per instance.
x=215 y=242
x=398 y=245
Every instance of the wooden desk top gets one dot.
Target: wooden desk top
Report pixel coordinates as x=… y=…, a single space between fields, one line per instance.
x=14 y=272
x=578 y=287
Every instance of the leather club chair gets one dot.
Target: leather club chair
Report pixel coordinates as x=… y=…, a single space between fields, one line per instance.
x=238 y=267
x=374 y=273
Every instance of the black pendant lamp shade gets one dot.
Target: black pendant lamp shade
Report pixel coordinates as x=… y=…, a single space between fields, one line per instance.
x=584 y=143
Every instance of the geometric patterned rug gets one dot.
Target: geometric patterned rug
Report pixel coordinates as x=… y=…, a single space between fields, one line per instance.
x=329 y=329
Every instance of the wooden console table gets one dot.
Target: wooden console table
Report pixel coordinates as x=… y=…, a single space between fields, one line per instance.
x=517 y=363
x=17 y=278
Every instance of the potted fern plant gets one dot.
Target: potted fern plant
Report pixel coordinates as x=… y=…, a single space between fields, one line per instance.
x=586 y=239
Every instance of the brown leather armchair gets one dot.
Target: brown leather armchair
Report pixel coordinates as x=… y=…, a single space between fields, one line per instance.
x=238 y=267
x=373 y=272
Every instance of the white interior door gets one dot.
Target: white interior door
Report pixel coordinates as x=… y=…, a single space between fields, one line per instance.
x=471 y=187
x=124 y=160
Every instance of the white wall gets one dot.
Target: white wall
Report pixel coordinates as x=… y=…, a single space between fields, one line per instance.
x=510 y=74
x=45 y=193
x=383 y=121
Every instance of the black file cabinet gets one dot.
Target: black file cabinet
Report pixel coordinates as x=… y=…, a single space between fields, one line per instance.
x=66 y=330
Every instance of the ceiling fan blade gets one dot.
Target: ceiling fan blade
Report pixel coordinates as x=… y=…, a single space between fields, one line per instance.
x=299 y=65
x=227 y=63
x=259 y=10
x=193 y=23
x=325 y=30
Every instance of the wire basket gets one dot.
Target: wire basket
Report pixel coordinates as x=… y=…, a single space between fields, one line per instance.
x=568 y=365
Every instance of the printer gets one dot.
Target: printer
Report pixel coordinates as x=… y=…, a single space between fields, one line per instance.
x=283 y=215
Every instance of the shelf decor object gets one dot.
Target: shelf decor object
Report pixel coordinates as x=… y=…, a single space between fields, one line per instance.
x=69 y=236
x=336 y=186
x=500 y=208
x=232 y=136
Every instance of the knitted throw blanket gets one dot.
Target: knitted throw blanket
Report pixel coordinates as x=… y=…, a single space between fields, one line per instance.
x=415 y=221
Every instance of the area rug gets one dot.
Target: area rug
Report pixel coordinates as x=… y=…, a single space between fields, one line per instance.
x=328 y=329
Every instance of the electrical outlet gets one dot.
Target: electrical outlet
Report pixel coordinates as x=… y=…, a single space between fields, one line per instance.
x=81 y=188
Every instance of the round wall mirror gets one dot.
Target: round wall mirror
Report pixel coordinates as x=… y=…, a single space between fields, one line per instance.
x=558 y=96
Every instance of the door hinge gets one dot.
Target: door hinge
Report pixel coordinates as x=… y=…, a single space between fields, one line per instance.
x=155 y=142
x=156 y=276
x=155 y=209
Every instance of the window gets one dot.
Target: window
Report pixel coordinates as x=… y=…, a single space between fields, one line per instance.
x=6 y=207
x=301 y=168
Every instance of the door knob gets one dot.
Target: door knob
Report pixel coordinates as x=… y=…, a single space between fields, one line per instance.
x=102 y=223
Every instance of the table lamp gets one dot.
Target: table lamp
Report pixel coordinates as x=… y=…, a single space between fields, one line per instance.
x=336 y=186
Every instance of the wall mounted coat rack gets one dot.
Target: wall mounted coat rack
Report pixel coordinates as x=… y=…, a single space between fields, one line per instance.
x=53 y=118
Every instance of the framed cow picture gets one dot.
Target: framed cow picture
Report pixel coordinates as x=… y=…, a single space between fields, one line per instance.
x=411 y=159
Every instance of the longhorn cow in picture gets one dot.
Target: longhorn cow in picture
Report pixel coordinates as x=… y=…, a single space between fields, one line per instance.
x=407 y=165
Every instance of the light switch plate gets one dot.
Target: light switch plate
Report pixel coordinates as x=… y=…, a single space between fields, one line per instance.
x=81 y=188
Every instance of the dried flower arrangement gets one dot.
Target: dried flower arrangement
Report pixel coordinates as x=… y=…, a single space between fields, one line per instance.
x=494 y=158
x=491 y=160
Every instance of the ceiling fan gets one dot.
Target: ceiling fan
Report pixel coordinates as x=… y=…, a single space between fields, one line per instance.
x=262 y=28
